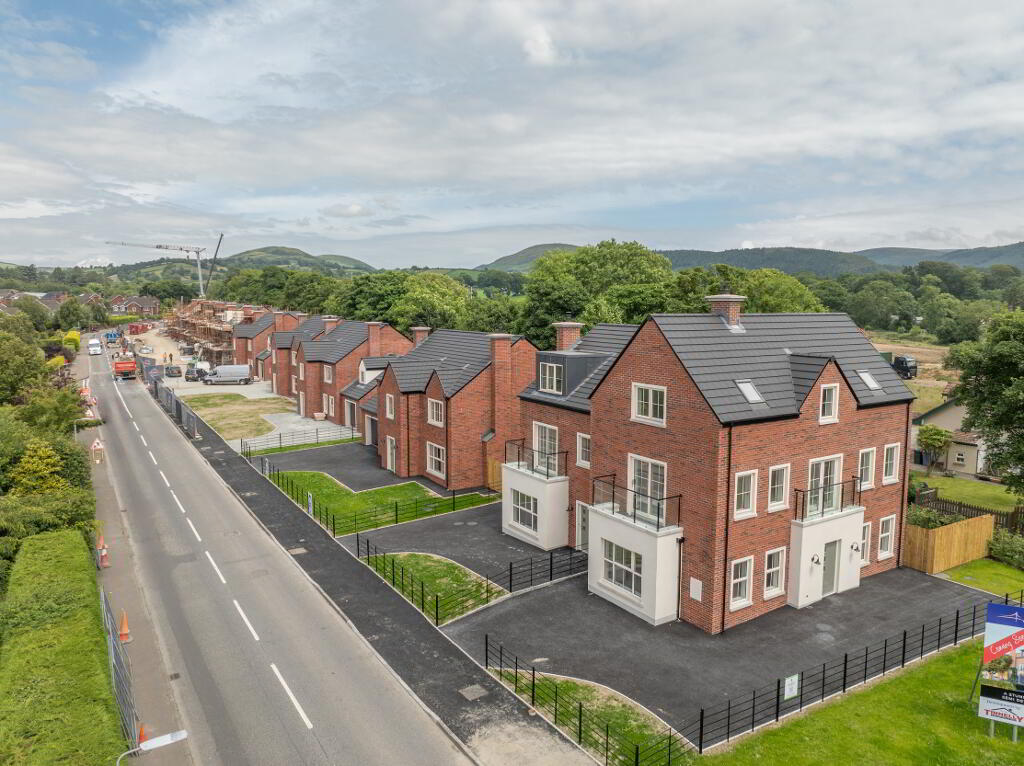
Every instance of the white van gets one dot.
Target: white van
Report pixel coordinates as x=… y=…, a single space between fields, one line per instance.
x=95 y=347
x=229 y=373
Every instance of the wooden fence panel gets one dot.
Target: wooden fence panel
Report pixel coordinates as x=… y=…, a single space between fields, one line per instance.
x=936 y=550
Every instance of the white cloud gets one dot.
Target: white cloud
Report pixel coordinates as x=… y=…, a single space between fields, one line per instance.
x=341 y=210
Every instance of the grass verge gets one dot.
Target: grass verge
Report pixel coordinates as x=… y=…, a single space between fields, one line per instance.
x=233 y=416
x=308 y=445
x=984 y=493
x=919 y=716
x=359 y=511
x=439 y=587
x=988 y=574
x=611 y=725
x=929 y=395
x=57 y=705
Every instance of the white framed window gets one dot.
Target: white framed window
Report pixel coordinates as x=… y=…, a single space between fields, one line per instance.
x=824 y=493
x=294 y=360
x=328 y=373
x=961 y=458
x=891 y=464
x=583 y=450
x=647 y=479
x=649 y=404
x=869 y=380
x=545 y=446
x=302 y=370
x=622 y=567
x=778 y=487
x=866 y=468
x=436 y=460
x=248 y=344
x=829 y=410
x=268 y=342
x=389 y=406
x=775 y=573
x=745 y=497
x=323 y=403
x=294 y=385
x=435 y=412
x=865 y=543
x=739 y=583
x=524 y=510
x=552 y=378
x=885 y=532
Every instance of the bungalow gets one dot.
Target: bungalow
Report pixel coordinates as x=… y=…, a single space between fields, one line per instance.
x=966 y=452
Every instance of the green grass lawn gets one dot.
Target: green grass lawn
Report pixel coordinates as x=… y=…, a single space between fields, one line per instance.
x=929 y=395
x=983 y=493
x=920 y=716
x=988 y=574
x=628 y=723
x=349 y=508
x=233 y=416
x=309 y=445
x=421 y=577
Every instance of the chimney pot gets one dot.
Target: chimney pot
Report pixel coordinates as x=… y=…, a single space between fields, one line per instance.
x=727 y=306
x=566 y=334
x=419 y=334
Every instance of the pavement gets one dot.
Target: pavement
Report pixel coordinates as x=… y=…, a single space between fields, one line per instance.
x=495 y=725
x=262 y=668
x=676 y=669
x=355 y=465
x=472 y=537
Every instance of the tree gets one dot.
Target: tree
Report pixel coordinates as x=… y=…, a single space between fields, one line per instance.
x=608 y=263
x=497 y=314
x=768 y=291
x=34 y=310
x=21 y=367
x=38 y=471
x=553 y=294
x=97 y=314
x=600 y=310
x=368 y=297
x=882 y=305
x=1013 y=293
x=69 y=314
x=431 y=299
x=992 y=391
x=634 y=303
x=14 y=435
x=933 y=442
x=50 y=410
x=19 y=325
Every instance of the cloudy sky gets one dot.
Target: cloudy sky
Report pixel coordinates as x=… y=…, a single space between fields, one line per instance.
x=451 y=132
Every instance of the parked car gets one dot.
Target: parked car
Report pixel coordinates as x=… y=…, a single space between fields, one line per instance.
x=193 y=374
x=229 y=373
x=146 y=350
x=172 y=371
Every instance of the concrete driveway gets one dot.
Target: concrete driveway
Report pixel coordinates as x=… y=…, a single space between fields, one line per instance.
x=355 y=465
x=675 y=669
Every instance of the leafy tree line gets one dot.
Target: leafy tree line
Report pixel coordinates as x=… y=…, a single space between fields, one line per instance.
x=607 y=282
x=952 y=302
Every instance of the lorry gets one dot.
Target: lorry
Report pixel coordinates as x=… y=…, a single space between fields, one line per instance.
x=228 y=373
x=112 y=337
x=124 y=369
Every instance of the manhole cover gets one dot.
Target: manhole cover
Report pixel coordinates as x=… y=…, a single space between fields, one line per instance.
x=473 y=692
x=297 y=551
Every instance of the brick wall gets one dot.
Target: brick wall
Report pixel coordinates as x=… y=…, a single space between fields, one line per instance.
x=394 y=428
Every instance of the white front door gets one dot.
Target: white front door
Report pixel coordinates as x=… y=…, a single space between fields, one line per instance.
x=392 y=453
x=830 y=568
x=302 y=403
x=582 y=525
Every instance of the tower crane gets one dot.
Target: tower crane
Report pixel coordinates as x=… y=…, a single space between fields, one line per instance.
x=181 y=248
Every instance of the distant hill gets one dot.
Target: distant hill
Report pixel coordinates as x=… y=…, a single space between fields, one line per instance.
x=523 y=260
x=902 y=256
x=293 y=258
x=1012 y=255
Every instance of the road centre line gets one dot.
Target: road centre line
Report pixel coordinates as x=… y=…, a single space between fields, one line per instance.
x=295 y=702
x=246 y=620
x=152 y=458
x=216 y=568
x=143 y=440
x=193 y=526
x=162 y=476
x=118 y=392
x=177 y=501
x=136 y=426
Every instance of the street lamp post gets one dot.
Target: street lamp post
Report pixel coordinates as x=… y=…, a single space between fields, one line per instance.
x=154 y=743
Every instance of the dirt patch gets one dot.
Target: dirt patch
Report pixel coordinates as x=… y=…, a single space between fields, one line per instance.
x=235 y=417
x=508 y=743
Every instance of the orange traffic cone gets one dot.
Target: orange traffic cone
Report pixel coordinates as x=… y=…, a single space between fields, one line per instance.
x=104 y=559
x=100 y=545
x=142 y=734
x=124 y=634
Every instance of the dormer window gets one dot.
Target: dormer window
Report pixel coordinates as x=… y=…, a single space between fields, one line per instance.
x=750 y=393
x=869 y=380
x=829 y=411
x=552 y=378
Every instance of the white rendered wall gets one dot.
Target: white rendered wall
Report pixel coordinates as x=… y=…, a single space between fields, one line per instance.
x=808 y=539
x=552 y=507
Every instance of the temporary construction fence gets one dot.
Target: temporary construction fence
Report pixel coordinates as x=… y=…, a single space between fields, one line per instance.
x=120 y=674
x=767 y=704
x=312 y=437
x=442 y=607
x=180 y=412
x=367 y=518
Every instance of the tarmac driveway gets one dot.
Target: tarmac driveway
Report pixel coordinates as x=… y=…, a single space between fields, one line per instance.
x=355 y=465
x=472 y=537
x=675 y=669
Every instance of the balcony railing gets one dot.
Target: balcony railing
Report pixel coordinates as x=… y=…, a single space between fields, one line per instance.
x=547 y=464
x=653 y=512
x=816 y=502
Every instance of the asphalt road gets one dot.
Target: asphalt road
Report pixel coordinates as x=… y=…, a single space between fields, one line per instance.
x=268 y=672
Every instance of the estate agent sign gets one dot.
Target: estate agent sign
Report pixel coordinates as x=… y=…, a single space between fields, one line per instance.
x=1002 y=670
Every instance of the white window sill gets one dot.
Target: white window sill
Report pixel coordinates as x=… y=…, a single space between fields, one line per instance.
x=744 y=515
x=865 y=563
x=519 y=525
x=883 y=556
x=433 y=473
x=549 y=391
x=648 y=421
x=887 y=482
x=739 y=606
x=867 y=487
x=777 y=508
x=435 y=423
x=774 y=594
x=619 y=590
x=582 y=465
x=827 y=421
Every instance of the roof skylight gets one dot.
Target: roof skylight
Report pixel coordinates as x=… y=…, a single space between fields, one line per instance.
x=750 y=393
x=869 y=380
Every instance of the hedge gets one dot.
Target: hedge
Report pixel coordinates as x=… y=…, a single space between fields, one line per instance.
x=929 y=518
x=57 y=705
x=1007 y=547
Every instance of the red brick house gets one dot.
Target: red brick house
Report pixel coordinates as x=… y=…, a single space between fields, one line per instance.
x=446 y=408
x=284 y=348
x=330 y=362
x=251 y=336
x=731 y=463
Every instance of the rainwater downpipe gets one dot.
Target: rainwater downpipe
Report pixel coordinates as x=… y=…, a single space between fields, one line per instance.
x=728 y=514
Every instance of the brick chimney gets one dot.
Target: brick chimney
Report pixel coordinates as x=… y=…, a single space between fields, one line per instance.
x=727 y=306
x=285 y=320
x=502 y=395
x=330 y=322
x=419 y=334
x=373 y=330
x=566 y=334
